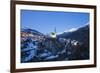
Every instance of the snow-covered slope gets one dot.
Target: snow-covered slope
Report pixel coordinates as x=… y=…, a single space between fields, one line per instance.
x=37 y=47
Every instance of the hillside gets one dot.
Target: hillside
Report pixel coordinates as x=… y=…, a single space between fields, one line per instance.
x=37 y=47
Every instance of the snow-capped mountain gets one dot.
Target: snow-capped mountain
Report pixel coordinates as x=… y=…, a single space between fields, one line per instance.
x=28 y=30
x=77 y=34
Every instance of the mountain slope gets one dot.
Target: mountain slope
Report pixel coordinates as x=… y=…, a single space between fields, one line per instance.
x=37 y=47
x=31 y=31
x=81 y=34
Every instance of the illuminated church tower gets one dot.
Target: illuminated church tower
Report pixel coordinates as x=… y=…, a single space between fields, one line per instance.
x=54 y=34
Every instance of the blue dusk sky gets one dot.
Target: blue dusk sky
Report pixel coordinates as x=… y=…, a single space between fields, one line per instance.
x=46 y=21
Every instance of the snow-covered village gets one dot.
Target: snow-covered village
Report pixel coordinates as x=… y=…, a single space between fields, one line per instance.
x=37 y=47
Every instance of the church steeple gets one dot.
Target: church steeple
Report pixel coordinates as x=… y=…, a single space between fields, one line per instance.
x=55 y=29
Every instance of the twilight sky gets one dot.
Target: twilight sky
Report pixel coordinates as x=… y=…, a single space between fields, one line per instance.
x=47 y=21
